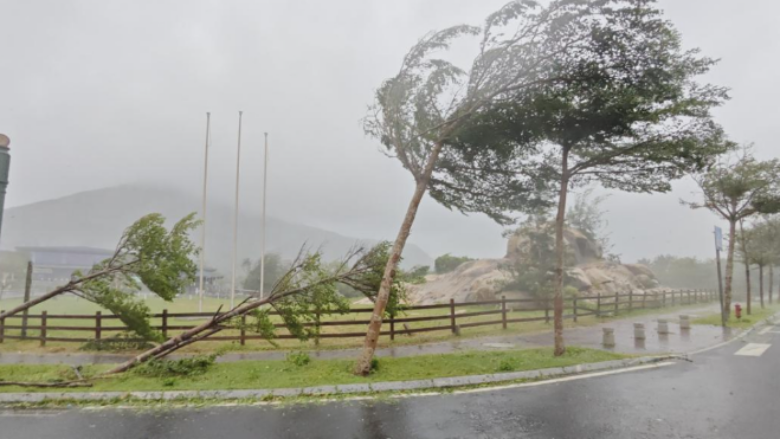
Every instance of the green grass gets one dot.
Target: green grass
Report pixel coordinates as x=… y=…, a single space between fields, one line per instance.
x=745 y=322
x=281 y=374
x=73 y=305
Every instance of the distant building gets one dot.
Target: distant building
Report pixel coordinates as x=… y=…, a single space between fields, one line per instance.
x=56 y=264
x=210 y=277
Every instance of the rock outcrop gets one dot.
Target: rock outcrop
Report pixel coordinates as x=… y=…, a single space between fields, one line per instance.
x=483 y=279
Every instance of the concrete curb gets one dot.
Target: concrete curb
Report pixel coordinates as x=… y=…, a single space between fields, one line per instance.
x=346 y=389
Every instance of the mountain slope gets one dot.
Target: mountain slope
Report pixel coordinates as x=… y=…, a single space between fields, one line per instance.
x=97 y=219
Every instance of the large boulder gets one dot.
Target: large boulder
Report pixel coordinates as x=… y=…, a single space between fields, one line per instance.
x=471 y=282
x=583 y=249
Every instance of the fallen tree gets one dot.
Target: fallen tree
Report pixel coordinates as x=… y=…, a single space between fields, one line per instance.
x=307 y=286
x=147 y=255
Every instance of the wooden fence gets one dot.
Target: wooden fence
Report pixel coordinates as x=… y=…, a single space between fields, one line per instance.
x=56 y=328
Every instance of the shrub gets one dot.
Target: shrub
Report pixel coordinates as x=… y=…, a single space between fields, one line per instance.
x=184 y=367
x=119 y=342
x=506 y=366
x=446 y=263
x=298 y=358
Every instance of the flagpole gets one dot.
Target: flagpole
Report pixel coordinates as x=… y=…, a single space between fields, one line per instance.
x=262 y=241
x=203 y=214
x=235 y=216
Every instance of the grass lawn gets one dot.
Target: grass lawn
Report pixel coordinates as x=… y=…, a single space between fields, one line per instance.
x=745 y=322
x=281 y=374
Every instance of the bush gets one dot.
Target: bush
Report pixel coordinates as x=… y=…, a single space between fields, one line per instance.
x=185 y=367
x=506 y=366
x=119 y=342
x=298 y=358
x=446 y=263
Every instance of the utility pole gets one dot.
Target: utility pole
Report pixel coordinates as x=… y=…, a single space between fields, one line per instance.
x=27 y=287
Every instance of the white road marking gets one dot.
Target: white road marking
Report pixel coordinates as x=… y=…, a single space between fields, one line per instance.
x=569 y=378
x=753 y=349
x=765 y=330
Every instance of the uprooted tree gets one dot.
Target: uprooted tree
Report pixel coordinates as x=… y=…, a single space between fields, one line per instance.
x=147 y=255
x=309 y=287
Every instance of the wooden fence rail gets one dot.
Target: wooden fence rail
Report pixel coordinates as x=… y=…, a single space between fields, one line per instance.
x=506 y=311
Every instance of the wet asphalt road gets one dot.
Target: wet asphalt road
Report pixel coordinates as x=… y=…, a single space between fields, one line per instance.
x=719 y=395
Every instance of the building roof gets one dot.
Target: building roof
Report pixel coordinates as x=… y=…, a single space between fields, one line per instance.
x=63 y=249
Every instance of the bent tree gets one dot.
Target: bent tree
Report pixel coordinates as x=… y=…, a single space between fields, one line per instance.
x=418 y=110
x=737 y=188
x=627 y=114
x=147 y=255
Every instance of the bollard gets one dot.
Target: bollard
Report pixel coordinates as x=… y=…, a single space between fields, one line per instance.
x=663 y=326
x=685 y=323
x=609 y=337
x=639 y=331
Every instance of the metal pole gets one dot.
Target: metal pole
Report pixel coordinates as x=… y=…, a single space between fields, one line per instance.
x=235 y=216
x=203 y=214
x=5 y=164
x=262 y=236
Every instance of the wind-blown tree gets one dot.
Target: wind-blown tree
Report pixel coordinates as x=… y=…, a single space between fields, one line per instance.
x=274 y=269
x=629 y=115
x=744 y=252
x=147 y=255
x=736 y=189
x=417 y=111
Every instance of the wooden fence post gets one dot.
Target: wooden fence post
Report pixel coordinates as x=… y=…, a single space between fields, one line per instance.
x=630 y=300
x=452 y=317
x=2 y=328
x=503 y=311
x=598 y=305
x=689 y=297
x=392 y=327
x=644 y=300
x=547 y=311
x=673 y=298
x=242 y=338
x=663 y=299
x=617 y=300
x=165 y=323
x=27 y=287
x=98 y=325
x=574 y=305
x=43 y=328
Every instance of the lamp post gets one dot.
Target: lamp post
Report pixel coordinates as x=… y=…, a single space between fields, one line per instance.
x=5 y=164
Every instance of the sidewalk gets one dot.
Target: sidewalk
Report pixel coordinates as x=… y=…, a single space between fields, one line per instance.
x=676 y=342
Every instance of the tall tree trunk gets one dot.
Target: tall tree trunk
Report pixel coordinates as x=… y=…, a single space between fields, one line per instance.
x=771 y=281
x=749 y=298
x=761 y=284
x=363 y=365
x=560 y=348
x=729 y=269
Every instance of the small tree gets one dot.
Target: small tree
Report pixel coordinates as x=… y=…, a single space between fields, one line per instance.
x=147 y=255
x=447 y=263
x=738 y=188
x=274 y=269
x=629 y=115
x=587 y=216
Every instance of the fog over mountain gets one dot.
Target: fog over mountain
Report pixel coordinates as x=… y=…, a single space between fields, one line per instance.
x=95 y=94
x=97 y=218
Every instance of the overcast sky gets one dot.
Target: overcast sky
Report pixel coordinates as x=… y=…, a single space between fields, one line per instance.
x=99 y=93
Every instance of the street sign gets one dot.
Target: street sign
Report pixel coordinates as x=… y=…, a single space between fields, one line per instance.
x=718 y=239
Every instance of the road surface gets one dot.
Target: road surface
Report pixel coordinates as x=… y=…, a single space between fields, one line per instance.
x=729 y=392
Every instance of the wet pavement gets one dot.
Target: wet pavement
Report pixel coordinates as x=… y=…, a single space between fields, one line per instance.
x=677 y=341
x=718 y=395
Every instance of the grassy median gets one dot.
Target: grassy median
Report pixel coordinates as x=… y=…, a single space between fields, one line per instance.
x=292 y=373
x=745 y=322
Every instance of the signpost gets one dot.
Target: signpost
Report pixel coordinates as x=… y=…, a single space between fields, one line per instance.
x=718 y=249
